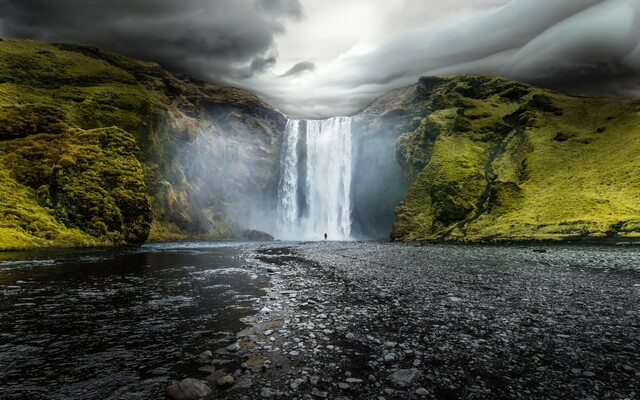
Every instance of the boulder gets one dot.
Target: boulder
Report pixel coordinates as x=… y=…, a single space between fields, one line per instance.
x=404 y=377
x=188 y=389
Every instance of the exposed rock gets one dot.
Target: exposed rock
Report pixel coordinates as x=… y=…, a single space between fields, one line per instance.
x=226 y=380
x=404 y=377
x=188 y=389
x=232 y=348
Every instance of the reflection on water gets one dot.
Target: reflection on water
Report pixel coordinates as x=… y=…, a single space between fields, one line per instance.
x=95 y=324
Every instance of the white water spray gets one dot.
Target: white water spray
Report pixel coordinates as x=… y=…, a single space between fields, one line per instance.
x=314 y=195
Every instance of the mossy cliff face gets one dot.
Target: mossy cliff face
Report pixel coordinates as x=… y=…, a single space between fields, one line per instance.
x=489 y=159
x=100 y=149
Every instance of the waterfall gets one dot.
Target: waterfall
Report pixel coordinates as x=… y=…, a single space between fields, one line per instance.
x=314 y=194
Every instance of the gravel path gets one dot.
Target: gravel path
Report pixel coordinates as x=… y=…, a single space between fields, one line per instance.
x=396 y=321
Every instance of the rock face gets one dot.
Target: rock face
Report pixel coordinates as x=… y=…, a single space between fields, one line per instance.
x=99 y=149
x=489 y=159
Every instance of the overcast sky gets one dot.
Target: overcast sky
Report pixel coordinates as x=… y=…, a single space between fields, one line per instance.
x=318 y=58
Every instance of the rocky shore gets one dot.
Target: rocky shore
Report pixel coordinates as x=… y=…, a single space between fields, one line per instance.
x=396 y=321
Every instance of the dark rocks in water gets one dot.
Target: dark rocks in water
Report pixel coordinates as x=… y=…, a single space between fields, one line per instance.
x=252 y=234
x=188 y=389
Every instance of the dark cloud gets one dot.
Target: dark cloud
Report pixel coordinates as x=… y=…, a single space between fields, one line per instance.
x=299 y=68
x=590 y=46
x=214 y=39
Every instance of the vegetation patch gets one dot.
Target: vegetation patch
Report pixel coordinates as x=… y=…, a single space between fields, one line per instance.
x=518 y=163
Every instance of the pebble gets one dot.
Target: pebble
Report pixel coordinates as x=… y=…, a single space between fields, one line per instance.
x=267 y=392
x=319 y=393
x=296 y=384
x=403 y=377
x=226 y=380
x=232 y=348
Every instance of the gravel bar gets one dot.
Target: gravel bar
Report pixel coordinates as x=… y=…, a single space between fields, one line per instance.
x=375 y=320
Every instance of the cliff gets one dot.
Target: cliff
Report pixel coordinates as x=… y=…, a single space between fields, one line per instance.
x=100 y=149
x=488 y=159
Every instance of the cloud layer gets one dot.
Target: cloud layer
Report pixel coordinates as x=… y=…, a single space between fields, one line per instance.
x=213 y=39
x=588 y=46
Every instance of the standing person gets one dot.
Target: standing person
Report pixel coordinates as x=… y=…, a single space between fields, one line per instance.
x=325 y=236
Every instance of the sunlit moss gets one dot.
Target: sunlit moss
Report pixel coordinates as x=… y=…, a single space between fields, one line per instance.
x=506 y=161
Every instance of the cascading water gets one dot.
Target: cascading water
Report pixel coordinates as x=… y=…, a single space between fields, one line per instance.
x=314 y=195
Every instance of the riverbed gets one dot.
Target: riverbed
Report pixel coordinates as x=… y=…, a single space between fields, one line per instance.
x=341 y=320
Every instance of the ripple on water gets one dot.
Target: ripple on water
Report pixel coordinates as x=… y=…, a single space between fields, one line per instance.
x=93 y=323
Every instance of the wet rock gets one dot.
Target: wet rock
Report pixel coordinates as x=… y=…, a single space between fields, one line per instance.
x=296 y=384
x=226 y=380
x=403 y=377
x=159 y=371
x=422 y=392
x=319 y=393
x=267 y=392
x=232 y=348
x=205 y=356
x=188 y=389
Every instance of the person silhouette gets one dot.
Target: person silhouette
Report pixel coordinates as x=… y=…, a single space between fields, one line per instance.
x=325 y=236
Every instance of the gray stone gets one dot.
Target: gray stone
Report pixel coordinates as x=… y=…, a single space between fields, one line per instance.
x=159 y=371
x=403 y=377
x=318 y=393
x=226 y=380
x=188 y=389
x=422 y=392
x=232 y=348
x=296 y=384
x=267 y=392
x=206 y=355
x=389 y=357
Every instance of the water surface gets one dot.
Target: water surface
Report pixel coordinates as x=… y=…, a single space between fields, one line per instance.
x=90 y=324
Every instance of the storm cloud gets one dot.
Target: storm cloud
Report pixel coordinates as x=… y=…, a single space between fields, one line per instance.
x=212 y=39
x=579 y=46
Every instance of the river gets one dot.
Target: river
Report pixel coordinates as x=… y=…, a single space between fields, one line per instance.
x=84 y=324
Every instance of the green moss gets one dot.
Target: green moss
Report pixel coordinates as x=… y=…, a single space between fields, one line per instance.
x=514 y=162
x=90 y=135
x=90 y=180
